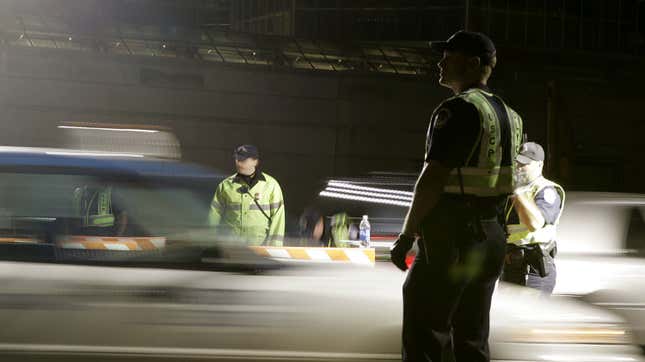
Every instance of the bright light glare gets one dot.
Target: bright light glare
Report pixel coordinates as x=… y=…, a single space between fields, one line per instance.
x=365 y=193
x=93 y=154
x=580 y=332
x=111 y=129
x=333 y=183
x=586 y=358
x=337 y=195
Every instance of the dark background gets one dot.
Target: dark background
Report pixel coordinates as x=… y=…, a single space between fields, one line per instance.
x=326 y=88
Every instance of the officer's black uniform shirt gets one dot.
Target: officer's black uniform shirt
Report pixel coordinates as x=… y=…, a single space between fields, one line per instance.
x=453 y=134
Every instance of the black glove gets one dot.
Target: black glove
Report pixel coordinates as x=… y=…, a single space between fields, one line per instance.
x=399 y=251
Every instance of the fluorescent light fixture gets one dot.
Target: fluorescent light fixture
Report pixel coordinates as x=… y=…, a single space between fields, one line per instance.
x=111 y=129
x=372 y=194
x=346 y=185
x=93 y=154
x=374 y=200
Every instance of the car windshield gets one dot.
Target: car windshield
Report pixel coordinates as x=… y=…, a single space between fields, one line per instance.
x=102 y=212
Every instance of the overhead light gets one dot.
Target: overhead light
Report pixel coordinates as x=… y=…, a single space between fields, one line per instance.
x=69 y=38
x=93 y=154
x=374 y=200
x=254 y=53
x=371 y=194
x=333 y=183
x=163 y=46
x=111 y=129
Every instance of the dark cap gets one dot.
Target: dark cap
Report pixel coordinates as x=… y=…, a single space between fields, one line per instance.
x=530 y=152
x=243 y=152
x=469 y=43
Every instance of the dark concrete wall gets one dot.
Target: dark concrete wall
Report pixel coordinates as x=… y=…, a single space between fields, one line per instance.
x=311 y=126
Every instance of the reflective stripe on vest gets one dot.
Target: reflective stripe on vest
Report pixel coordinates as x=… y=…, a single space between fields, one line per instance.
x=519 y=234
x=339 y=229
x=97 y=210
x=489 y=177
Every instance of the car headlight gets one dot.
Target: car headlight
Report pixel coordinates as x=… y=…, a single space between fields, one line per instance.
x=583 y=334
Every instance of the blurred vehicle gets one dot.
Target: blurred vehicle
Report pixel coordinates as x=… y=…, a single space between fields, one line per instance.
x=601 y=246
x=142 y=140
x=601 y=238
x=197 y=299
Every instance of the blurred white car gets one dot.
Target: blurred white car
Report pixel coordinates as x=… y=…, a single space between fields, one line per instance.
x=295 y=313
x=190 y=298
x=601 y=244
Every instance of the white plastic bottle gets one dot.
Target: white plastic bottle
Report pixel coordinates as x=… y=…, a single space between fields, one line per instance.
x=364 y=232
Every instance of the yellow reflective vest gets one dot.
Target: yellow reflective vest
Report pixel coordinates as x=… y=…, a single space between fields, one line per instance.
x=486 y=176
x=94 y=206
x=235 y=211
x=519 y=234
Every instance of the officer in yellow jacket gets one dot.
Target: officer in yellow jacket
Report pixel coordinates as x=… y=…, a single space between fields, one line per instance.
x=248 y=206
x=95 y=212
x=532 y=215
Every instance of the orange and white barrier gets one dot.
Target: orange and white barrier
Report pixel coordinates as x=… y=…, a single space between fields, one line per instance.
x=348 y=255
x=112 y=243
x=19 y=240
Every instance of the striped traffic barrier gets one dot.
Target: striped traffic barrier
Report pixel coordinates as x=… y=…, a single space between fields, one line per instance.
x=363 y=256
x=19 y=240
x=112 y=243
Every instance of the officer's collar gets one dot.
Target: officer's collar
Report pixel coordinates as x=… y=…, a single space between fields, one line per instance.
x=479 y=86
x=258 y=176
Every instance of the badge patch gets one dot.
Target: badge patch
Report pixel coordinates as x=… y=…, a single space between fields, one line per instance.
x=549 y=195
x=441 y=118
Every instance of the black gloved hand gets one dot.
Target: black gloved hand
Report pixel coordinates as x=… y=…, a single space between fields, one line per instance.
x=399 y=251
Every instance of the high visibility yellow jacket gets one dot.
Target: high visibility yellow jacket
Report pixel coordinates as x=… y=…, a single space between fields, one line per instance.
x=94 y=206
x=235 y=210
x=519 y=234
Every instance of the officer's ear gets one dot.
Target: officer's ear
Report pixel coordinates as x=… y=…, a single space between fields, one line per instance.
x=474 y=63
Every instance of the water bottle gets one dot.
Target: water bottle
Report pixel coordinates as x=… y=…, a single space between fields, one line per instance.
x=364 y=232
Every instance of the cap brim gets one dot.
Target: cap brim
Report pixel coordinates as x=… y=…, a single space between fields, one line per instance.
x=438 y=46
x=523 y=159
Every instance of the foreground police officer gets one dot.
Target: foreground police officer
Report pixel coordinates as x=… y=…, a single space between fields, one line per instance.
x=248 y=205
x=457 y=210
x=533 y=214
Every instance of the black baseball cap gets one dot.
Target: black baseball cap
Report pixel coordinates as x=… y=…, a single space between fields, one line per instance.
x=530 y=152
x=469 y=43
x=243 y=152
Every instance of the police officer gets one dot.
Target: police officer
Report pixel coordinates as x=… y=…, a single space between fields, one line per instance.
x=457 y=210
x=533 y=214
x=248 y=205
x=96 y=213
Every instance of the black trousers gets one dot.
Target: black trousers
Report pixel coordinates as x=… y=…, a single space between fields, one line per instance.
x=447 y=293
